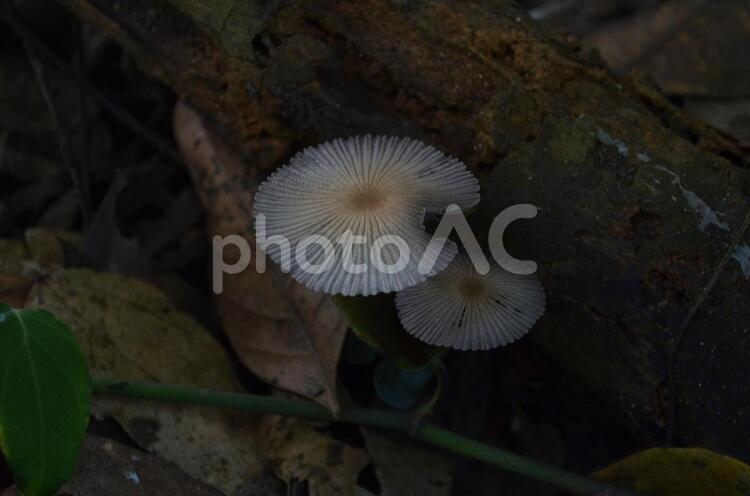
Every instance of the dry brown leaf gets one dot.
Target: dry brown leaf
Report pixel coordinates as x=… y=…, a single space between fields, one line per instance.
x=286 y=334
x=691 y=48
x=48 y=248
x=15 y=282
x=731 y=116
x=129 y=330
x=12 y=253
x=106 y=467
x=22 y=262
x=297 y=451
x=405 y=468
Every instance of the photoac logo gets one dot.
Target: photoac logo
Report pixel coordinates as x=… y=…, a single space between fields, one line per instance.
x=347 y=218
x=388 y=254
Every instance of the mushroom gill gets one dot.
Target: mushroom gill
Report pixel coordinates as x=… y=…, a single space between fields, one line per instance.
x=365 y=188
x=460 y=308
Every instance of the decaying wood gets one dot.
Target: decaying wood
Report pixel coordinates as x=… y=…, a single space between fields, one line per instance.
x=643 y=212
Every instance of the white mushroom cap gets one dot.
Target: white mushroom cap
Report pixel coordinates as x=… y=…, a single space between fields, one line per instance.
x=370 y=186
x=460 y=308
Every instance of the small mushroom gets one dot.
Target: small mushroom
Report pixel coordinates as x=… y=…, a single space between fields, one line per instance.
x=462 y=309
x=377 y=188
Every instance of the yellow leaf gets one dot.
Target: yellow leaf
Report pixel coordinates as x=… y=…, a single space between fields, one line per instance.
x=679 y=472
x=129 y=330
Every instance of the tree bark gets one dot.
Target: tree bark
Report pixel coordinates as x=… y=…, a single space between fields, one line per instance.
x=643 y=213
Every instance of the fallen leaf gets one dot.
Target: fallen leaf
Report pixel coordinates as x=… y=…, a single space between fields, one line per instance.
x=129 y=330
x=184 y=211
x=51 y=250
x=62 y=212
x=12 y=253
x=15 y=281
x=679 y=45
x=104 y=246
x=106 y=467
x=297 y=451
x=286 y=334
x=679 y=472
x=22 y=262
x=405 y=468
x=732 y=117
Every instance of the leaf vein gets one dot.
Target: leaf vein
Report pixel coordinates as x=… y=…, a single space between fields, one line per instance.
x=34 y=375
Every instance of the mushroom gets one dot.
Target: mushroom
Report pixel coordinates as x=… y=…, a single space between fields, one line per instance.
x=462 y=309
x=372 y=191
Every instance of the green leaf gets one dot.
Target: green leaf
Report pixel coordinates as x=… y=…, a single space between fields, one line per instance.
x=679 y=472
x=375 y=321
x=45 y=391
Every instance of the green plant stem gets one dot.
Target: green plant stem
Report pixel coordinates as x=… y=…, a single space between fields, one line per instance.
x=386 y=419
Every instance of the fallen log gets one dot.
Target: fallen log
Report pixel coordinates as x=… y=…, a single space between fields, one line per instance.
x=642 y=239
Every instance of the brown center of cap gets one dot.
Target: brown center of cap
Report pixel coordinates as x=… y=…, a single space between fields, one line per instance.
x=366 y=200
x=472 y=288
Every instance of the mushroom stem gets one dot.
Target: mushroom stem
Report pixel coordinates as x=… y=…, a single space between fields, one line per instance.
x=427 y=432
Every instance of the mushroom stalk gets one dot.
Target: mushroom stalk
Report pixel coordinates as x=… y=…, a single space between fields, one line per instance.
x=426 y=432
